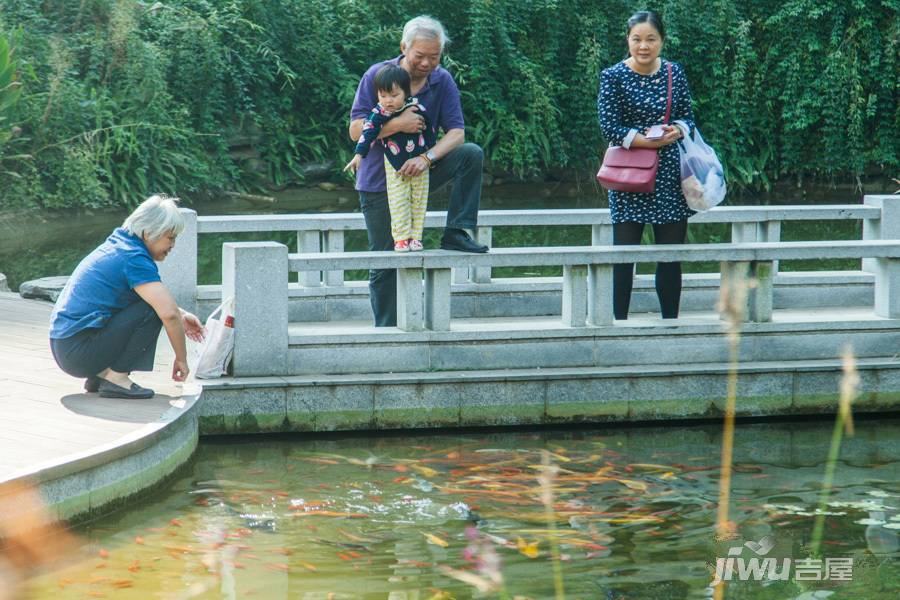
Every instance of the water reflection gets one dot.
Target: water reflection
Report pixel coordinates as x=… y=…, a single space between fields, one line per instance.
x=377 y=517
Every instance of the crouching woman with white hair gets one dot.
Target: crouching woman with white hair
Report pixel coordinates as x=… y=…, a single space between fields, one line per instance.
x=106 y=321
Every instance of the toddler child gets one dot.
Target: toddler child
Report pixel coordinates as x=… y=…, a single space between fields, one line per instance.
x=407 y=196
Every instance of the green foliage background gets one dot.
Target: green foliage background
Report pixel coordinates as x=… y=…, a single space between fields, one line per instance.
x=120 y=97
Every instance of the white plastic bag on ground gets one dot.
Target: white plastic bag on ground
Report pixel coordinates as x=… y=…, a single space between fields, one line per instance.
x=214 y=353
x=702 y=176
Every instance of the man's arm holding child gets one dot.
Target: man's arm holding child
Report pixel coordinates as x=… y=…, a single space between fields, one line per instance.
x=409 y=121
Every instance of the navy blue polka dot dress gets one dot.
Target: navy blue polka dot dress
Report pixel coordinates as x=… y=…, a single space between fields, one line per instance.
x=630 y=101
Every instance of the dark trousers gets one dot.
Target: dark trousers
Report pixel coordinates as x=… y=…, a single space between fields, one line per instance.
x=463 y=168
x=126 y=343
x=668 y=275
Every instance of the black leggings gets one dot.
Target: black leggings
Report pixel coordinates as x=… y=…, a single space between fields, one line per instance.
x=126 y=343
x=668 y=275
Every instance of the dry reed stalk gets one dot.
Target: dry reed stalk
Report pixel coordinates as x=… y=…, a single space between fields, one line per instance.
x=843 y=425
x=546 y=480
x=732 y=308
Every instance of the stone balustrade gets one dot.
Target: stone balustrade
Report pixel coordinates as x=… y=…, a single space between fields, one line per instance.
x=324 y=233
x=256 y=274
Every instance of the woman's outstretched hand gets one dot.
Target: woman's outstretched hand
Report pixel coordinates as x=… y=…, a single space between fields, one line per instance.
x=180 y=370
x=193 y=328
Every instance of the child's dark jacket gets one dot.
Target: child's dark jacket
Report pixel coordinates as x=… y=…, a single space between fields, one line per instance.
x=401 y=146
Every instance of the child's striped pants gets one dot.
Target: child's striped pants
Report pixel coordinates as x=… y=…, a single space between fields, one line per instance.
x=407 y=199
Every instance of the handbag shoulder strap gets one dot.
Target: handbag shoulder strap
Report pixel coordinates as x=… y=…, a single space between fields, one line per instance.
x=669 y=93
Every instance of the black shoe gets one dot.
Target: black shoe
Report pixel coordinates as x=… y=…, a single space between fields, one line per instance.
x=457 y=239
x=92 y=384
x=109 y=389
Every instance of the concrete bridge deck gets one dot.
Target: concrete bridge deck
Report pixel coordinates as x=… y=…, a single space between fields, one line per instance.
x=82 y=451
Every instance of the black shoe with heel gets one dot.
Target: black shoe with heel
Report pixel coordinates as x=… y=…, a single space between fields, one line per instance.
x=109 y=389
x=457 y=239
x=92 y=384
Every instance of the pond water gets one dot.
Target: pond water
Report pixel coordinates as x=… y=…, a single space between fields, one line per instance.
x=418 y=515
x=34 y=245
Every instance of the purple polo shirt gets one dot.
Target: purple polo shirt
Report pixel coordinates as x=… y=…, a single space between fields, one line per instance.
x=439 y=95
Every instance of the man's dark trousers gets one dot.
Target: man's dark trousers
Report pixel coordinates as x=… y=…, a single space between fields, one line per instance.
x=463 y=168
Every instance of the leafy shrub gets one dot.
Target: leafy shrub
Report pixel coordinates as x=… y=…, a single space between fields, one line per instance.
x=120 y=98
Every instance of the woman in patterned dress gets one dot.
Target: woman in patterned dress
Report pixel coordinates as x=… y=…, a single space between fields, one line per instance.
x=632 y=98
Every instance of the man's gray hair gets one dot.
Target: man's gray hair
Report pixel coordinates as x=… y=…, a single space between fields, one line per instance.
x=424 y=28
x=157 y=216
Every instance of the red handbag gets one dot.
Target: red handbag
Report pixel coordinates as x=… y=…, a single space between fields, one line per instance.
x=633 y=169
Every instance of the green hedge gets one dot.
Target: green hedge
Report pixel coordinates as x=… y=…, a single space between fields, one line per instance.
x=121 y=97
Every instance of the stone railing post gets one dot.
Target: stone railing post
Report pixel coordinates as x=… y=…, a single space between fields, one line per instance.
x=483 y=235
x=255 y=274
x=769 y=231
x=600 y=295
x=179 y=270
x=735 y=281
x=886 y=227
x=410 y=300
x=574 y=295
x=334 y=242
x=308 y=242
x=759 y=308
x=742 y=233
x=437 y=299
x=601 y=235
x=887 y=287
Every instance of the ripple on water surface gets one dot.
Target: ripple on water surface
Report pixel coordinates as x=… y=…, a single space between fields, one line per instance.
x=442 y=516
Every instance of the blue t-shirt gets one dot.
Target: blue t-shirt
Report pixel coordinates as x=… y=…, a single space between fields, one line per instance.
x=103 y=284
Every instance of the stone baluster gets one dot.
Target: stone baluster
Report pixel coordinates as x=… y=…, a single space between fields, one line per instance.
x=179 y=271
x=601 y=235
x=309 y=242
x=410 y=300
x=255 y=274
x=887 y=287
x=886 y=227
x=759 y=307
x=600 y=295
x=769 y=231
x=437 y=299
x=600 y=281
x=574 y=295
x=483 y=235
x=742 y=233
x=735 y=278
x=334 y=242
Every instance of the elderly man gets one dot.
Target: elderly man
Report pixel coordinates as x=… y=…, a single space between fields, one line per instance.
x=451 y=159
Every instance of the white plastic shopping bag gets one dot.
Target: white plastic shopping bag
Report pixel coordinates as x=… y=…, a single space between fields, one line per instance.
x=214 y=353
x=702 y=176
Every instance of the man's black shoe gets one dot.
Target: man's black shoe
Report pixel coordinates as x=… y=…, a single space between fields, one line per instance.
x=457 y=239
x=109 y=389
x=92 y=384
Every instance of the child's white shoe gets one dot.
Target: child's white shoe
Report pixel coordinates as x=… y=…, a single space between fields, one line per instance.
x=415 y=245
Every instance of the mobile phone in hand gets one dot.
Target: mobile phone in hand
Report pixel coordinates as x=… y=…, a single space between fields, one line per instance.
x=655 y=132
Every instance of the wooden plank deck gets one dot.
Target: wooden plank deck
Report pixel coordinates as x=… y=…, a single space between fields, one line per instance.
x=45 y=414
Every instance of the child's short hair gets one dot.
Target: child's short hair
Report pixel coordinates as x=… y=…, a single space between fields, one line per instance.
x=390 y=75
